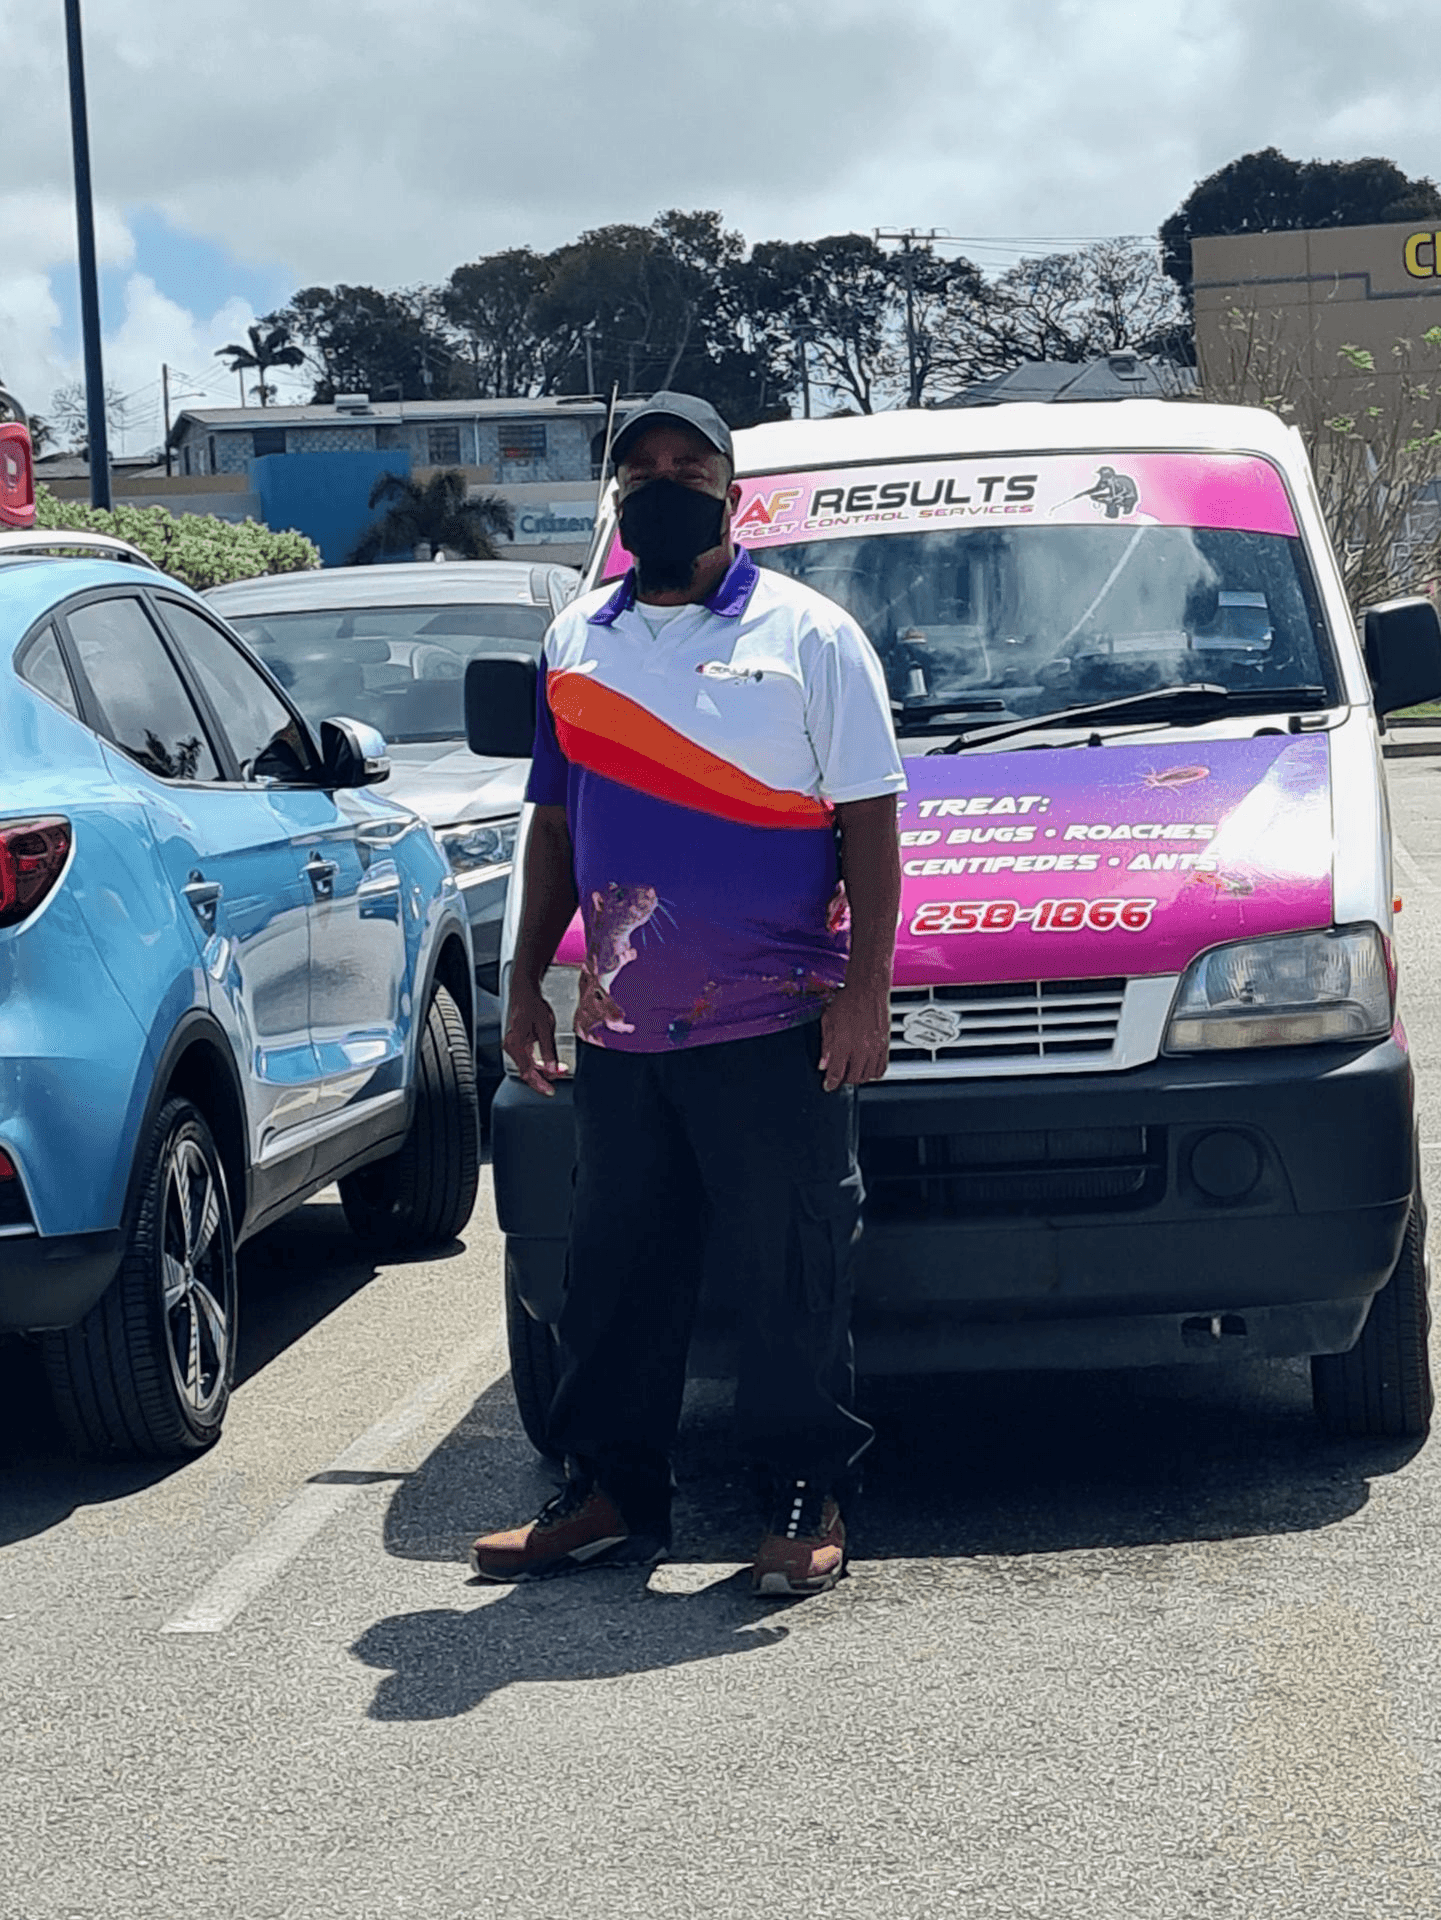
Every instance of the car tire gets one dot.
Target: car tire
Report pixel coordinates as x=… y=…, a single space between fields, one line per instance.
x=1381 y=1388
x=423 y=1195
x=149 y=1369
x=534 y=1364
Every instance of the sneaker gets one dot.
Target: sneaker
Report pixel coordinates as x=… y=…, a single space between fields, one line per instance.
x=580 y=1527
x=804 y=1550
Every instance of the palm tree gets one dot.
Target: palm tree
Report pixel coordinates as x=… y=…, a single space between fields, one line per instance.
x=269 y=347
x=436 y=515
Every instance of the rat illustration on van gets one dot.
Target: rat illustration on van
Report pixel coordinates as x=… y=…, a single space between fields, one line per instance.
x=1149 y=1098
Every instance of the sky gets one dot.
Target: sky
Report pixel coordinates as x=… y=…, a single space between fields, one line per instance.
x=242 y=152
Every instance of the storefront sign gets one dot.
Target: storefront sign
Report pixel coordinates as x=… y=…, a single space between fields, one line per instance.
x=1421 y=257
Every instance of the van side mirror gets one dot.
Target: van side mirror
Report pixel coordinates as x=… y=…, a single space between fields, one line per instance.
x=1402 y=640
x=352 y=754
x=500 y=696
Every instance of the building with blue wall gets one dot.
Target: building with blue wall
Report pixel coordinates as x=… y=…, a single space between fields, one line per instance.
x=307 y=465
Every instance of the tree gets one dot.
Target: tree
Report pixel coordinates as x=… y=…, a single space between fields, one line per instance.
x=1266 y=192
x=638 y=307
x=834 y=300
x=1373 y=434
x=1109 y=297
x=198 y=548
x=270 y=346
x=436 y=514
x=361 y=340
x=70 y=409
x=489 y=303
x=831 y=315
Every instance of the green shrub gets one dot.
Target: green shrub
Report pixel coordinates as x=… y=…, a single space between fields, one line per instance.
x=197 y=548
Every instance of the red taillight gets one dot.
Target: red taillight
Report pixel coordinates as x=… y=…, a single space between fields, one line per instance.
x=17 y=477
x=7 y=1167
x=32 y=854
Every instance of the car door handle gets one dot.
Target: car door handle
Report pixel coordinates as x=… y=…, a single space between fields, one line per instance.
x=204 y=897
x=322 y=874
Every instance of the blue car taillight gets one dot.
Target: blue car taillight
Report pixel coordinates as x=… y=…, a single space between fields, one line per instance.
x=32 y=857
x=14 y=1208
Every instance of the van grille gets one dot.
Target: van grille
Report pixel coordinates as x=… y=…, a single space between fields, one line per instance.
x=1032 y=1020
x=1052 y=1170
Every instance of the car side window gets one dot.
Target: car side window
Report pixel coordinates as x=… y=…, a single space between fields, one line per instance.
x=142 y=703
x=43 y=665
x=268 y=741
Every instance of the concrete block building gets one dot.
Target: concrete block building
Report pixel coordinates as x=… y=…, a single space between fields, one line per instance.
x=542 y=455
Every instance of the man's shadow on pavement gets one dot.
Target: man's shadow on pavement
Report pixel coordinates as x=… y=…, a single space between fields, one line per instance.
x=964 y=1474
x=593 y=1626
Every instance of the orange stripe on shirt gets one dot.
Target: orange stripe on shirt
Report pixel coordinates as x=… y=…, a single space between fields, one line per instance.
x=610 y=734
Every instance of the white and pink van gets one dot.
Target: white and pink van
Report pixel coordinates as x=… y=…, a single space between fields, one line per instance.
x=1149 y=1098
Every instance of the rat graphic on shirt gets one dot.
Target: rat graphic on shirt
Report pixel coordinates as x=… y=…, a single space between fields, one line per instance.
x=614 y=916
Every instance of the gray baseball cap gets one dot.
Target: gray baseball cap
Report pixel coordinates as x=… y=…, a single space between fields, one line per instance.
x=681 y=409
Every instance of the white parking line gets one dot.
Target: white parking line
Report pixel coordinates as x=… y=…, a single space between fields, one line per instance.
x=1412 y=867
x=315 y=1505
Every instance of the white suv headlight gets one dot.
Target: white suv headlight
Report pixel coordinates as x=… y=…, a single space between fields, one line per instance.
x=1293 y=990
x=478 y=846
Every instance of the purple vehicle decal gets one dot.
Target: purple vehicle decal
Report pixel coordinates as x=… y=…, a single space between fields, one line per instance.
x=1091 y=862
x=1086 y=862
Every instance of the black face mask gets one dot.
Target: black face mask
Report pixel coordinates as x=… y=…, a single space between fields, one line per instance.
x=668 y=527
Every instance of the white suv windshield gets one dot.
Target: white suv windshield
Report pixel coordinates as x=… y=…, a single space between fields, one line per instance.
x=401 y=669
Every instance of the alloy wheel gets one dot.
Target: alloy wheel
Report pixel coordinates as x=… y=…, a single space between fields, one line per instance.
x=198 y=1287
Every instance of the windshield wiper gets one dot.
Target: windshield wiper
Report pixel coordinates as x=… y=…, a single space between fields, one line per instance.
x=905 y=712
x=1188 y=705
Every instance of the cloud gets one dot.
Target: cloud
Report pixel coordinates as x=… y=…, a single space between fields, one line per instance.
x=356 y=139
x=360 y=140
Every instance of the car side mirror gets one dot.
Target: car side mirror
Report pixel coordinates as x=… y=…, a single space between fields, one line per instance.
x=352 y=754
x=1402 y=641
x=500 y=696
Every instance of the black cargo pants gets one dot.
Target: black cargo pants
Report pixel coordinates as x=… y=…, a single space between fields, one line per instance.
x=732 y=1159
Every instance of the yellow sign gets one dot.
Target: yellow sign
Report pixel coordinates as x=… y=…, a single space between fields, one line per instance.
x=1421 y=256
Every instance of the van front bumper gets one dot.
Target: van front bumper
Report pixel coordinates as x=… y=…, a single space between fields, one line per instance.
x=1192 y=1209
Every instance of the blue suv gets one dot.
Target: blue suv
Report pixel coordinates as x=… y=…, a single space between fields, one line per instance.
x=229 y=975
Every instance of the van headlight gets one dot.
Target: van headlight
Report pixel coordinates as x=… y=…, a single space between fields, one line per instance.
x=479 y=846
x=1294 y=990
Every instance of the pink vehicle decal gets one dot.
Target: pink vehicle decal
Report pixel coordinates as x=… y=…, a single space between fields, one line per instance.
x=1086 y=862
x=1236 y=490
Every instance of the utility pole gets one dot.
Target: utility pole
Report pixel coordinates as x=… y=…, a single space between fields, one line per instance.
x=165 y=406
x=908 y=237
x=589 y=331
x=804 y=336
x=99 y=449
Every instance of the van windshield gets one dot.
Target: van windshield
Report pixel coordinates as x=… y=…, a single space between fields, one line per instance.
x=1014 y=585
x=1036 y=617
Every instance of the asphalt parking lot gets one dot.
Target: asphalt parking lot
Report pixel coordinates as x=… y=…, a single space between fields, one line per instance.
x=1114 y=1646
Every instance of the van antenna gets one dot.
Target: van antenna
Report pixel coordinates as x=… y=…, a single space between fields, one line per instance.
x=604 y=468
x=605 y=456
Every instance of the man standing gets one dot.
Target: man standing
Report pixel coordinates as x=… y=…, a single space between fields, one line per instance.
x=715 y=781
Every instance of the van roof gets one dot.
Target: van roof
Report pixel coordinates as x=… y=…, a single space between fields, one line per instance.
x=1130 y=426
